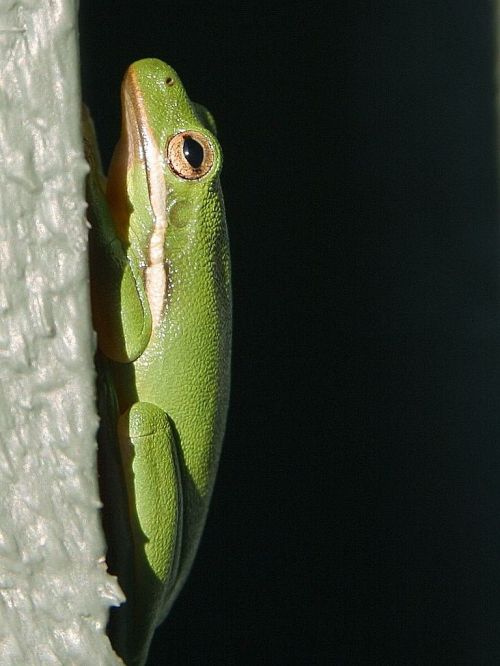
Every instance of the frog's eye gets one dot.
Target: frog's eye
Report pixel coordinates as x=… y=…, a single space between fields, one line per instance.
x=190 y=155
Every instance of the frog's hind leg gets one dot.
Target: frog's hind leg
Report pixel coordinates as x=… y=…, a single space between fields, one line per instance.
x=149 y=448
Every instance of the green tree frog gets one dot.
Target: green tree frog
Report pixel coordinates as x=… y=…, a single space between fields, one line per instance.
x=161 y=302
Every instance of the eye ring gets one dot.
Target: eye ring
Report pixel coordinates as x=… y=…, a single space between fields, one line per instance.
x=190 y=155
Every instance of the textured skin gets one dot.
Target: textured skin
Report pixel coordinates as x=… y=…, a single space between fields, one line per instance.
x=171 y=375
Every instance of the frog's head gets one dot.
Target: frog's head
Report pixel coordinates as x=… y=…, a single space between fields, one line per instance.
x=166 y=161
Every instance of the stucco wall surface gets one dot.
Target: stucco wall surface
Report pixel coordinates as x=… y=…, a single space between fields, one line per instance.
x=54 y=589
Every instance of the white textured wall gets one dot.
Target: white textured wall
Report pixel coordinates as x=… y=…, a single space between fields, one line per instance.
x=54 y=591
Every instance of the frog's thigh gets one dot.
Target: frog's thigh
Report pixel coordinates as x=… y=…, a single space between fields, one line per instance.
x=149 y=454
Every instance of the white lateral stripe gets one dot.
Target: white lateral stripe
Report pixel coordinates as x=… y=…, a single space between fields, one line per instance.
x=155 y=274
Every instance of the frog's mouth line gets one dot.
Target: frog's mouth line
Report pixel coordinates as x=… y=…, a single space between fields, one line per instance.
x=143 y=148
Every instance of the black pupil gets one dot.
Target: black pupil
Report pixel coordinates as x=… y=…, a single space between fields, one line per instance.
x=193 y=152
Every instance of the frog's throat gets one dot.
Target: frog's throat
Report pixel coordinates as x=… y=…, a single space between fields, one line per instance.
x=144 y=148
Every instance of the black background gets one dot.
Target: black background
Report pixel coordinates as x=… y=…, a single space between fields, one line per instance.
x=356 y=517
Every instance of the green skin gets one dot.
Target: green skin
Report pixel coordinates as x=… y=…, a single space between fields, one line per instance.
x=161 y=298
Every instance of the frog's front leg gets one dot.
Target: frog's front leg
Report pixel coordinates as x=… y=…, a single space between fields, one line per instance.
x=149 y=448
x=120 y=308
